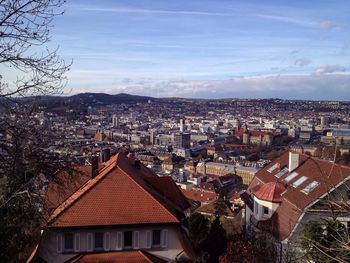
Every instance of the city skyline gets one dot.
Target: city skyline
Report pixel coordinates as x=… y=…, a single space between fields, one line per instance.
x=207 y=49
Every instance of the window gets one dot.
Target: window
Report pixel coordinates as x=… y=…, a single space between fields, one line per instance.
x=273 y=167
x=265 y=210
x=256 y=207
x=98 y=241
x=291 y=176
x=128 y=239
x=311 y=186
x=68 y=242
x=156 y=237
x=299 y=181
x=282 y=172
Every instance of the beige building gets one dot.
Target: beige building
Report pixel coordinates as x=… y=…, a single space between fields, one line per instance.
x=220 y=169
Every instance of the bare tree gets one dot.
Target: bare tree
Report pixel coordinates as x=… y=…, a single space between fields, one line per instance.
x=24 y=32
x=27 y=67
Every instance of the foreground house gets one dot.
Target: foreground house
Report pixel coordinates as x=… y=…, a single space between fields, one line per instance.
x=125 y=211
x=295 y=189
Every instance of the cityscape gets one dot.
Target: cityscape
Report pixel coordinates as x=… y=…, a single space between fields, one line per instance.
x=186 y=163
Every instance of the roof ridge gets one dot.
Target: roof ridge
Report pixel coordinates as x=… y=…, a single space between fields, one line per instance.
x=88 y=185
x=163 y=196
x=330 y=162
x=147 y=192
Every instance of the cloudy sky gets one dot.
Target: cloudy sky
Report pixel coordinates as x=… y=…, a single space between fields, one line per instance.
x=208 y=48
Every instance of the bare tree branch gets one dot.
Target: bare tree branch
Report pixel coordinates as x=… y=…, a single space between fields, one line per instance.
x=25 y=25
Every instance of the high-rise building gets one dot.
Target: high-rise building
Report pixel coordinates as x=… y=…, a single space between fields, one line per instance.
x=182 y=140
x=152 y=136
x=115 y=120
x=182 y=124
x=324 y=121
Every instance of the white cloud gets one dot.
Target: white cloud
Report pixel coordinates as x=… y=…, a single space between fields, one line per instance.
x=327 y=69
x=333 y=86
x=290 y=20
x=148 y=11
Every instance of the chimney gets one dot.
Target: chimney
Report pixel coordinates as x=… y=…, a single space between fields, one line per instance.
x=293 y=161
x=106 y=155
x=94 y=166
x=137 y=163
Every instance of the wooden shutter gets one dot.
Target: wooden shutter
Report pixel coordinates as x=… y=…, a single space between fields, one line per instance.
x=59 y=243
x=107 y=240
x=119 y=241
x=136 y=239
x=89 y=242
x=76 y=242
x=148 y=239
x=164 y=238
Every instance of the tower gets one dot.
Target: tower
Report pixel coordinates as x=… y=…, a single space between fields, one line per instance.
x=115 y=120
x=182 y=124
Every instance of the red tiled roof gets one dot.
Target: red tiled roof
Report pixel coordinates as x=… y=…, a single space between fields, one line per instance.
x=282 y=221
x=117 y=257
x=259 y=133
x=199 y=195
x=64 y=185
x=270 y=192
x=295 y=200
x=100 y=137
x=168 y=188
x=118 y=195
x=324 y=172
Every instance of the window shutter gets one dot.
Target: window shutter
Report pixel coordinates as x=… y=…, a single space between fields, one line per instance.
x=119 y=240
x=59 y=243
x=136 y=240
x=76 y=242
x=89 y=242
x=164 y=238
x=148 y=239
x=107 y=240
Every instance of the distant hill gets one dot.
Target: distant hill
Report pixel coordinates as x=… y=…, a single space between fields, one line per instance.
x=106 y=99
x=83 y=100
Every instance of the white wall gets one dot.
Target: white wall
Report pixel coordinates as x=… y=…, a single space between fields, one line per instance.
x=48 y=246
x=258 y=209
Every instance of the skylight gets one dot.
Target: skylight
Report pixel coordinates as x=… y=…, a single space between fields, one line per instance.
x=299 y=181
x=282 y=172
x=273 y=167
x=311 y=186
x=291 y=176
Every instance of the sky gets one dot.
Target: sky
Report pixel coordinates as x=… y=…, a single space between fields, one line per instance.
x=207 y=48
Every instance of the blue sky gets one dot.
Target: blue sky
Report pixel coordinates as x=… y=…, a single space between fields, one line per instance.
x=207 y=48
